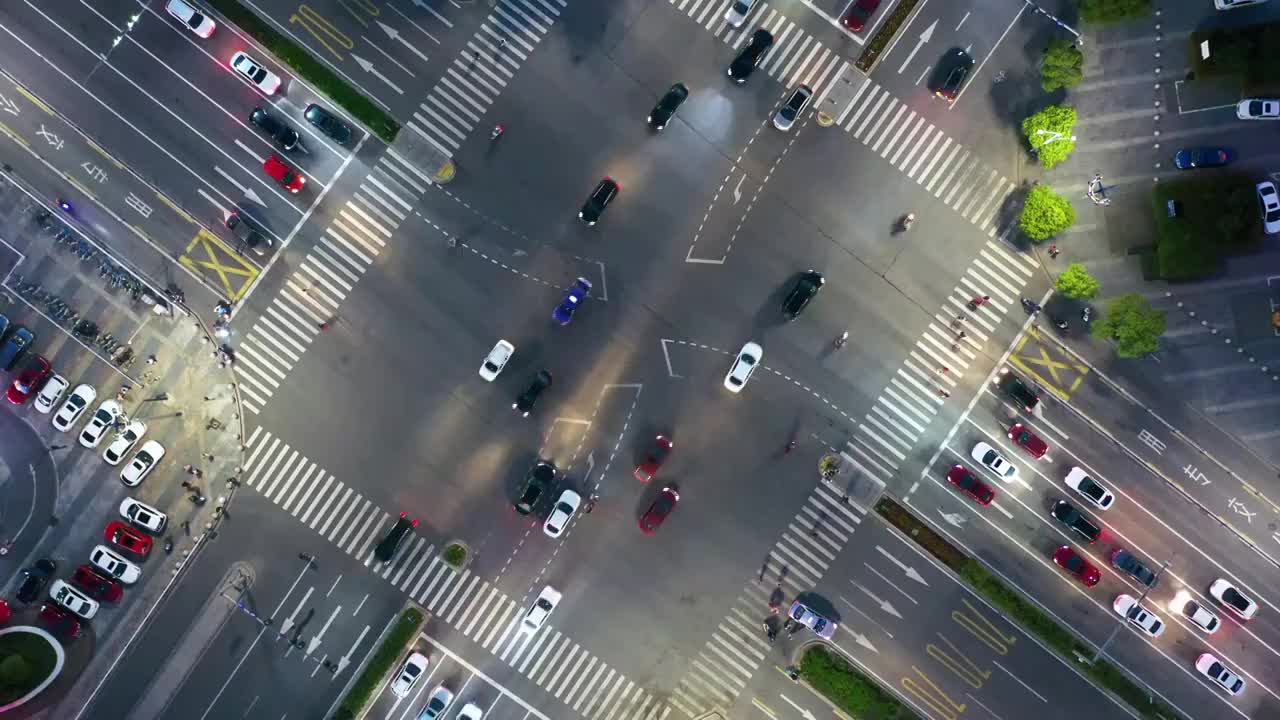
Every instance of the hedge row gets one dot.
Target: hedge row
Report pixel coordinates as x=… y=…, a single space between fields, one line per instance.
x=1249 y=53
x=849 y=689
x=1026 y=614
x=384 y=659
x=881 y=39
x=307 y=67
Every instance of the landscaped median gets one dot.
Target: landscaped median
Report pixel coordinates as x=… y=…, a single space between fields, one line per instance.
x=1026 y=614
x=846 y=688
x=384 y=660
x=307 y=67
x=880 y=41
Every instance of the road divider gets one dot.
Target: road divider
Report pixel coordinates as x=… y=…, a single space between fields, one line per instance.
x=846 y=688
x=879 y=42
x=385 y=659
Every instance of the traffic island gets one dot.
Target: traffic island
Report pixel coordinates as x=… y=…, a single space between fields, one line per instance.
x=1025 y=613
x=456 y=555
x=395 y=640
x=879 y=42
x=848 y=689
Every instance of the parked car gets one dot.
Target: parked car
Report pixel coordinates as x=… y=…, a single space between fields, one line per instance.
x=127 y=539
x=15 y=346
x=50 y=394
x=191 y=18
x=1203 y=157
x=124 y=442
x=72 y=599
x=856 y=16
x=286 y=137
x=102 y=421
x=410 y=672
x=34 y=579
x=144 y=516
x=1270 y=204
x=328 y=123
x=60 y=622
x=737 y=12
x=142 y=463
x=1258 y=109
x=114 y=564
x=74 y=407
x=97 y=585
x=253 y=71
x=31 y=378
x=437 y=702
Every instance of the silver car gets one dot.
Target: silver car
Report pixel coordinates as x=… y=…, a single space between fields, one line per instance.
x=737 y=12
x=791 y=109
x=803 y=615
x=441 y=699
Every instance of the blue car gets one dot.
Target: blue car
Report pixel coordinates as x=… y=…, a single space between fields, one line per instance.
x=564 y=311
x=1205 y=157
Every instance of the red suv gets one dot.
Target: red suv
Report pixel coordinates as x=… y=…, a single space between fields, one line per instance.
x=96 y=585
x=125 y=537
x=32 y=378
x=63 y=624
x=283 y=174
x=981 y=493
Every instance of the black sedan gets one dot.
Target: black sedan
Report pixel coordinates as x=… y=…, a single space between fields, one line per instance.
x=1205 y=157
x=599 y=199
x=807 y=286
x=667 y=106
x=953 y=69
x=527 y=399
x=328 y=123
x=750 y=56
x=34 y=579
x=279 y=131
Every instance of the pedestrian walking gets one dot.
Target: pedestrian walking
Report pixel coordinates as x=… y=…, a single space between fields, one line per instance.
x=1053 y=251
x=944 y=393
x=958 y=321
x=189 y=469
x=961 y=335
x=186 y=526
x=186 y=485
x=944 y=370
x=198 y=473
x=151 y=359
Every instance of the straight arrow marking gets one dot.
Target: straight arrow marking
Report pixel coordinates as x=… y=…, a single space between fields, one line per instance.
x=910 y=571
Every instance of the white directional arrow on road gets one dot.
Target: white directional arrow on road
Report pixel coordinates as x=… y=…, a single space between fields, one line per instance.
x=315 y=641
x=910 y=571
x=924 y=38
x=804 y=712
x=345 y=660
x=884 y=604
x=864 y=642
x=368 y=67
x=954 y=518
x=8 y=105
x=249 y=195
x=737 y=189
x=394 y=34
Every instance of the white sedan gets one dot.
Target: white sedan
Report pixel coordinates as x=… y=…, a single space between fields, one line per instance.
x=745 y=364
x=143 y=515
x=142 y=463
x=995 y=462
x=470 y=711
x=1212 y=668
x=409 y=675
x=496 y=360
x=114 y=565
x=1145 y=620
x=1270 y=203
x=1258 y=109
x=737 y=12
x=253 y=71
x=1089 y=489
x=537 y=615
x=73 y=600
x=108 y=412
x=562 y=513
x=76 y=402
x=50 y=394
x=124 y=442
x=194 y=20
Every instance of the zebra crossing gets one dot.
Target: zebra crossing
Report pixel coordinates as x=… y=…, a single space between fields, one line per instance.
x=885 y=124
x=327 y=274
x=482 y=69
x=464 y=600
x=737 y=647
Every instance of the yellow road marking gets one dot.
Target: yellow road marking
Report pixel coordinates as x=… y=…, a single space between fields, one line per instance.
x=958 y=663
x=34 y=100
x=759 y=704
x=220 y=262
x=982 y=628
x=174 y=207
x=14 y=136
x=1059 y=376
x=930 y=694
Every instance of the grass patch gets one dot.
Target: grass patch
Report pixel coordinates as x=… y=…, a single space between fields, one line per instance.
x=384 y=660
x=26 y=660
x=1217 y=216
x=1101 y=12
x=850 y=690
x=307 y=67
x=455 y=554
x=880 y=41
x=1028 y=615
x=1249 y=53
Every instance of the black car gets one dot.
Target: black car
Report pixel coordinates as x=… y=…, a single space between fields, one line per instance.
x=1138 y=570
x=959 y=63
x=1065 y=513
x=599 y=199
x=527 y=399
x=807 y=286
x=285 y=136
x=387 y=548
x=328 y=123
x=1192 y=158
x=750 y=56
x=536 y=484
x=667 y=106
x=245 y=231
x=1019 y=390
x=15 y=346
x=34 y=579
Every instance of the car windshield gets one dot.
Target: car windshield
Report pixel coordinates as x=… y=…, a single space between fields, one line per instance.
x=1091 y=488
x=990 y=457
x=1235 y=599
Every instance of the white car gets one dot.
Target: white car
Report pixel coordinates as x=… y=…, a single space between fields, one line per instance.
x=113 y=564
x=1146 y=621
x=196 y=21
x=108 y=412
x=1226 y=593
x=745 y=364
x=995 y=462
x=253 y=71
x=50 y=394
x=410 y=673
x=79 y=399
x=1270 y=202
x=143 y=515
x=562 y=513
x=440 y=700
x=1212 y=668
x=470 y=711
x=497 y=360
x=737 y=13
x=791 y=109
x=73 y=600
x=539 y=611
x=1258 y=109
x=142 y=463
x=1089 y=489
x=124 y=442
x=1233 y=4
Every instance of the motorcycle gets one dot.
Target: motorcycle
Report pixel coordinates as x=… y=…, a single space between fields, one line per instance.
x=1086 y=313
x=66 y=206
x=842 y=340
x=1031 y=307
x=497 y=131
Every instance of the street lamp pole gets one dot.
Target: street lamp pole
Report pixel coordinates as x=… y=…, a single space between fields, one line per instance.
x=1123 y=620
x=1056 y=136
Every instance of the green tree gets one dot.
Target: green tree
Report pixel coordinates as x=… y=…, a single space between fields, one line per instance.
x=1045 y=213
x=1060 y=67
x=1108 y=11
x=1076 y=282
x=1133 y=324
x=1049 y=134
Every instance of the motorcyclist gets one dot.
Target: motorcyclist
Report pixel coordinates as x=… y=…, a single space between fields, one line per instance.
x=497 y=130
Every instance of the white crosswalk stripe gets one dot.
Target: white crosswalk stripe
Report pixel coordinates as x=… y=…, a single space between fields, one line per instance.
x=326 y=275
x=466 y=601
x=905 y=138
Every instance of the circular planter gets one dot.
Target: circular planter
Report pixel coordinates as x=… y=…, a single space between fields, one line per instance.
x=456 y=555
x=59 y=660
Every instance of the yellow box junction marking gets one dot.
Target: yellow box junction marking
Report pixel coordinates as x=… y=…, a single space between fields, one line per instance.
x=1041 y=361
x=207 y=255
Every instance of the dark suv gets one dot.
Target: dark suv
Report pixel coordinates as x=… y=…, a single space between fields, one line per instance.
x=387 y=548
x=536 y=484
x=1065 y=513
x=246 y=232
x=750 y=56
x=1018 y=389
x=15 y=346
x=1135 y=568
x=285 y=136
x=34 y=579
x=328 y=123
x=798 y=299
x=526 y=400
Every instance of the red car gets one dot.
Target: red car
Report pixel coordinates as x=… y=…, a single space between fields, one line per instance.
x=855 y=18
x=1028 y=441
x=1075 y=564
x=657 y=454
x=30 y=379
x=283 y=174
x=659 y=510
x=125 y=537
x=970 y=485
x=96 y=585
x=61 y=622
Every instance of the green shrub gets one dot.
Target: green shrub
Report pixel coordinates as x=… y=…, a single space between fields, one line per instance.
x=885 y=34
x=902 y=519
x=384 y=660
x=1133 y=324
x=455 y=554
x=849 y=689
x=1061 y=65
x=1076 y=282
x=1049 y=134
x=1109 y=11
x=307 y=67
x=1045 y=213
x=1217 y=216
x=1248 y=53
